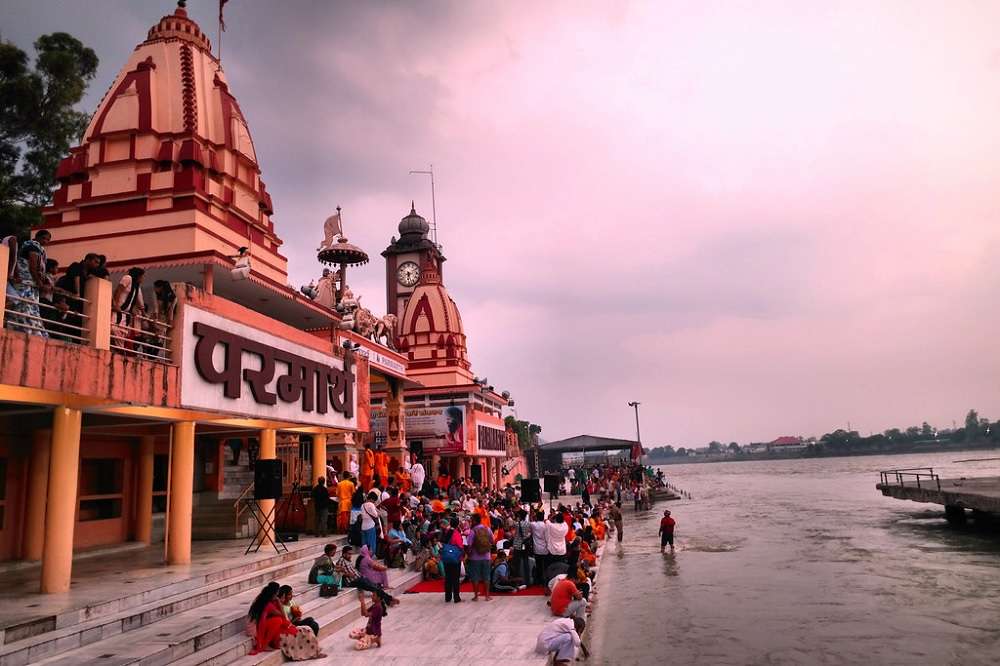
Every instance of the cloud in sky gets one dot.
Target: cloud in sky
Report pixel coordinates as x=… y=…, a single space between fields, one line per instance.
x=756 y=218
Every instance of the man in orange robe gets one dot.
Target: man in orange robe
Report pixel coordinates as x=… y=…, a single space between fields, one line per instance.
x=382 y=469
x=367 y=469
x=403 y=480
x=345 y=490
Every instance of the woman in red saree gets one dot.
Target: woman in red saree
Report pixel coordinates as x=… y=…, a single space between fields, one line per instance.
x=271 y=623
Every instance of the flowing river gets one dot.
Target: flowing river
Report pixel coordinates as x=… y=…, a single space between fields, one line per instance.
x=802 y=562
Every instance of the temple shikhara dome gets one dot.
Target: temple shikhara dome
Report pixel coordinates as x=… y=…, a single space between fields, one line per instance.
x=167 y=173
x=430 y=331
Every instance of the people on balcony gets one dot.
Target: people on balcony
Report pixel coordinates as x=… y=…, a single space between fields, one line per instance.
x=126 y=303
x=24 y=285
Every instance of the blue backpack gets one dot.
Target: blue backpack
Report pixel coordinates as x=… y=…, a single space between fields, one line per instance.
x=450 y=553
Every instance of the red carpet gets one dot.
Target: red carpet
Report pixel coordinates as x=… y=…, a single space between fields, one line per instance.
x=437 y=587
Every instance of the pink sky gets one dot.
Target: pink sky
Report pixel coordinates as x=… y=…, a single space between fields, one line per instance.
x=756 y=218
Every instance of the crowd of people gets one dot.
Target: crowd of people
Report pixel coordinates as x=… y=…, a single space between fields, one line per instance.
x=45 y=301
x=456 y=531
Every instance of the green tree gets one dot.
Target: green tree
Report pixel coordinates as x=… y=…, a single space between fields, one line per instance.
x=734 y=447
x=682 y=451
x=38 y=123
x=714 y=447
x=527 y=433
x=971 y=425
x=926 y=430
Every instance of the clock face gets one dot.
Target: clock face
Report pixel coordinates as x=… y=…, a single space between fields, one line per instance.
x=408 y=274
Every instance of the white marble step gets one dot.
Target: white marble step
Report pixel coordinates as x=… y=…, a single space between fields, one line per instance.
x=174 y=599
x=331 y=614
x=188 y=632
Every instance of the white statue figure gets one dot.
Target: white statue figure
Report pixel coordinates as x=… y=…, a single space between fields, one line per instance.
x=332 y=229
x=241 y=269
x=326 y=289
x=354 y=465
x=348 y=303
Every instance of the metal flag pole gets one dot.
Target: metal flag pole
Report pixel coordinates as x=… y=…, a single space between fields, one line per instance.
x=434 y=224
x=638 y=438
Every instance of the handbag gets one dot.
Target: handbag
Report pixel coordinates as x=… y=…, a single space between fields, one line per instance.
x=328 y=590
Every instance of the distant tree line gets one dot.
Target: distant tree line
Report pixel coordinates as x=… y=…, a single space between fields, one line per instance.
x=976 y=431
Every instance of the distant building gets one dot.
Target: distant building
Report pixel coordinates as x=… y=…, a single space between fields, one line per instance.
x=787 y=444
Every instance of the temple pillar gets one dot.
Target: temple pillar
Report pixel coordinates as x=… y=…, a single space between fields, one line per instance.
x=268 y=451
x=179 y=494
x=435 y=469
x=341 y=447
x=395 y=412
x=60 y=509
x=465 y=467
x=144 y=491
x=318 y=458
x=38 y=484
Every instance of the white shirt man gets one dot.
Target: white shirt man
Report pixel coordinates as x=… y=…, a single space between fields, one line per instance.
x=555 y=537
x=539 y=529
x=417 y=475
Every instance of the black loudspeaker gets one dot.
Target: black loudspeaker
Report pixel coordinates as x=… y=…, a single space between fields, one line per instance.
x=531 y=491
x=267 y=479
x=477 y=473
x=552 y=483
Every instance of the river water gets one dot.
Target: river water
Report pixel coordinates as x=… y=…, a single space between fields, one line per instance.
x=802 y=562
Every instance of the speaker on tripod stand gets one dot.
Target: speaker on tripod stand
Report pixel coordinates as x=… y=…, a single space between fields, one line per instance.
x=266 y=486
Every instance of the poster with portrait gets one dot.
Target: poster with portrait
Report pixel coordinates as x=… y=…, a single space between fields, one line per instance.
x=441 y=429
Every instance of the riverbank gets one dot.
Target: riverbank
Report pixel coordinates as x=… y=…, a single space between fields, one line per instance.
x=804 y=455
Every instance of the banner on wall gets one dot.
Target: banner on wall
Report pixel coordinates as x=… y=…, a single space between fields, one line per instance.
x=441 y=429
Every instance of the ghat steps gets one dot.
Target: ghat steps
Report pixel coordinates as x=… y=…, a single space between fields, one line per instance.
x=162 y=623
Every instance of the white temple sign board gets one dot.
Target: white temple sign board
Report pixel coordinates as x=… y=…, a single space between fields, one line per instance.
x=230 y=367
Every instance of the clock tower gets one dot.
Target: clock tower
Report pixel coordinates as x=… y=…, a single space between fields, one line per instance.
x=406 y=260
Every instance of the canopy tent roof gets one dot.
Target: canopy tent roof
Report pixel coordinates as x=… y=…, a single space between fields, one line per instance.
x=586 y=443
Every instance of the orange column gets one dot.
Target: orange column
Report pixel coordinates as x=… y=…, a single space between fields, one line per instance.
x=268 y=451
x=38 y=484
x=60 y=510
x=179 y=496
x=318 y=458
x=144 y=491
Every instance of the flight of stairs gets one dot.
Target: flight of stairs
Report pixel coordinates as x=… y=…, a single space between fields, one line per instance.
x=196 y=622
x=214 y=518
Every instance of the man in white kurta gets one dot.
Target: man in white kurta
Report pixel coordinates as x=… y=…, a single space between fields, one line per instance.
x=417 y=475
x=561 y=636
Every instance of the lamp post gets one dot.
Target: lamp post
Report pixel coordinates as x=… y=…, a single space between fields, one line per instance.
x=638 y=438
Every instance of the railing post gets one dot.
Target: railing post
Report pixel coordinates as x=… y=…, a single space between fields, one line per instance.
x=4 y=269
x=97 y=312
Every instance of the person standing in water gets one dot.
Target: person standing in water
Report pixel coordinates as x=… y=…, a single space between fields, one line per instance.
x=616 y=516
x=667 y=531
